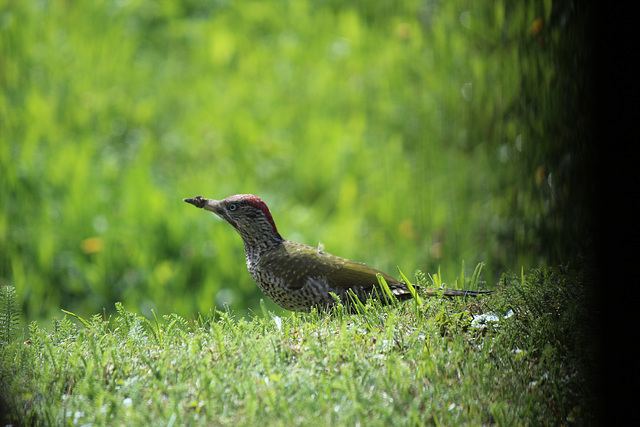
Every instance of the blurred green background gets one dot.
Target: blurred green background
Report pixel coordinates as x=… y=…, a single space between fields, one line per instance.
x=419 y=134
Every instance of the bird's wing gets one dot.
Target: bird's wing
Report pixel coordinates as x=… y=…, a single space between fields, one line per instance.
x=295 y=262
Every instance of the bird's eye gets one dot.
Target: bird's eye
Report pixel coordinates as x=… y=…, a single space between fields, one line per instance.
x=232 y=207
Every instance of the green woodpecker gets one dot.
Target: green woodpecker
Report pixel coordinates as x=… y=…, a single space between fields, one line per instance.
x=296 y=276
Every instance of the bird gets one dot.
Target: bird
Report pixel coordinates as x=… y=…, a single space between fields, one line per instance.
x=299 y=277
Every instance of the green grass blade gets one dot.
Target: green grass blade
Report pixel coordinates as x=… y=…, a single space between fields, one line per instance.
x=411 y=288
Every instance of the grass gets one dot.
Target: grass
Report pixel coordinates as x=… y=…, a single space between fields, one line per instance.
x=437 y=363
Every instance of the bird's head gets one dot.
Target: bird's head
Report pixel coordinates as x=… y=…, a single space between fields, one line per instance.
x=247 y=213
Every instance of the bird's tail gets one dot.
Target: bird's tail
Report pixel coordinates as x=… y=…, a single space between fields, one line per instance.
x=430 y=292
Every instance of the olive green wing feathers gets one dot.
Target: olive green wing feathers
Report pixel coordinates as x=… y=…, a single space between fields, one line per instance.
x=295 y=262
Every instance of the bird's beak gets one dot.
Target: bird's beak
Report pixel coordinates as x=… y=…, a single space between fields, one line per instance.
x=208 y=204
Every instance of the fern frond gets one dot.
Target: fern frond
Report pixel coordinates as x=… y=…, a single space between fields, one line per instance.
x=9 y=314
